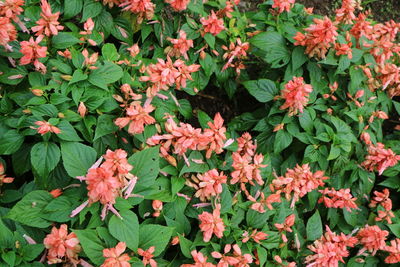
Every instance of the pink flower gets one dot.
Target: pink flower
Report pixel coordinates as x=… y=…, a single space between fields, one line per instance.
x=199 y=260
x=210 y=184
x=296 y=94
x=48 y=23
x=178 y=5
x=338 y=199
x=90 y=60
x=330 y=249
x=102 y=185
x=181 y=45
x=142 y=8
x=115 y=257
x=157 y=206
x=260 y=205
x=11 y=9
x=116 y=162
x=137 y=118
x=379 y=158
x=255 y=235
x=134 y=50
x=238 y=51
x=346 y=13
x=286 y=226
x=283 y=5
x=32 y=52
x=211 y=224
x=385 y=215
x=45 y=127
x=372 y=238
x=215 y=135
x=381 y=198
x=56 y=192
x=344 y=49
x=148 y=256
x=361 y=27
x=3 y=178
x=184 y=73
x=62 y=246
x=319 y=37
x=82 y=110
x=88 y=27
x=212 y=24
x=236 y=259
x=394 y=251
x=8 y=33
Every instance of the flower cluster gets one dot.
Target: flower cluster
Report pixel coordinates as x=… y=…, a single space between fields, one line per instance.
x=341 y=199
x=296 y=94
x=379 y=158
x=211 y=223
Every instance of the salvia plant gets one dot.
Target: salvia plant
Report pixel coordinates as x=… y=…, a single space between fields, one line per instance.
x=104 y=161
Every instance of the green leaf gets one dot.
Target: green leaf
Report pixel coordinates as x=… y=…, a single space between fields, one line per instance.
x=314 y=227
x=31 y=251
x=77 y=158
x=185 y=246
x=298 y=57
x=334 y=153
x=306 y=121
x=282 y=140
x=11 y=141
x=208 y=64
x=58 y=210
x=91 y=244
x=105 y=125
x=72 y=8
x=9 y=257
x=125 y=230
x=106 y=74
x=68 y=132
x=91 y=9
x=44 y=158
x=194 y=167
x=64 y=40
x=263 y=90
x=146 y=166
x=257 y=220
x=78 y=76
x=109 y=52
x=28 y=210
x=226 y=199
x=210 y=39
x=6 y=236
x=154 y=235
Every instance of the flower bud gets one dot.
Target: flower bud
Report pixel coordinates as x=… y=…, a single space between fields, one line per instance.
x=37 y=92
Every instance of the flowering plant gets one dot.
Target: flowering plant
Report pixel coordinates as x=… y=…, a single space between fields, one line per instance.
x=107 y=159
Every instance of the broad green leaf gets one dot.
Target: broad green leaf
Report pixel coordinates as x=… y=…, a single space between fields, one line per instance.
x=64 y=40
x=58 y=210
x=263 y=90
x=68 y=132
x=210 y=39
x=125 y=230
x=91 y=244
x=44 y=158
x=72 y=8
x=6 y=236
x=154 y=235
x=91 y=9
x=109 y=52
x=77 y=158
x=282 y=140
x=28 y=210
x=106 y=74
x=146 y=166
x=185 y=246
x=11 y=141
x=78 y=76
x=194 y=167
x=105 y=125
x=314 y=227
x=298 y=57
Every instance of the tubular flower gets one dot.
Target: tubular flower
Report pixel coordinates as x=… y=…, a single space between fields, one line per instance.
x=62 y=246
x=116 y=162
x=180 y=46
x=330 y=249
x=82 y=110
x=157 y=206
x=45 y=127
x=212 y=24
x=338 y=199
x=296 y=94
x=178 y=5
x=345 y=14
x=381 y=198
x=215 y=135
x=298 y=181
x=11 y=9
x=319 y=37
x=32 y=51
x=142 y=8
x=199 y=260
x=344 y=49
x=148 y=256
x=256 y=236
x=137 y=118
x=102 y=185
x=115 y=257
x=3 y=178
x=227 y=10
x=238 y=51
x=211 y=224
x=286 y=226
x=236 y=259
x=394 y=251
x=184 y=73
x=379 y=158
x=283 y=5
x=361 y=27
x=385 y=215
x=8 y=33
x=48 y=23
x=260 y=205
x=372 y=238
x=210 y=184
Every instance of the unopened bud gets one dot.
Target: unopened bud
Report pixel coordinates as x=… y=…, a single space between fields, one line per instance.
x=37 y=92
x=66 y=77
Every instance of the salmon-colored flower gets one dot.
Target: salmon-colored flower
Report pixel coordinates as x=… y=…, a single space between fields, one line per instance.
x=283 y=5
x=82 y=110
x=90 y=60
x=385 y=215
x=286 y=226
x=366 y=138
x=134 y=50
x=236 y=51
x=32 y=51
x=298 y=182
x=346 y=14
x=102 y=185
x=185 y=72
x=344 y=49
x=48 y=23
x=210 y=184
x=3 y=178
x=157 y=207
x=280 y=262
x=381 y=198
x=211 y=224
x=361 y=27
x=56 y=192
x=62 y=246
x=199 y=260
x=137 y=118
x=88 y=27
x=379 y=158
x=236 y=259
x=116 y=161
x=372 y=238
x=255 y=235
x=215 y=135
x=296 y=94
x=394 y=251
x=338 y=199
x=66 y=54
x=8 y=33
x=212 y=24
x=265 y=202
x=11 y=9
x=45 y=127
x=227 y=10
x=148 y=256
x=144 y=9
x=178 y=5
x=330 y=249
x=115 y=257
x=319 y=37
x=181 y=45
